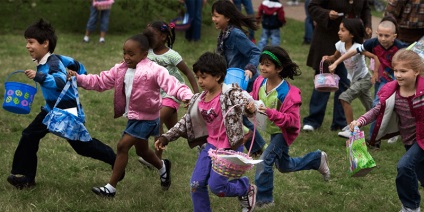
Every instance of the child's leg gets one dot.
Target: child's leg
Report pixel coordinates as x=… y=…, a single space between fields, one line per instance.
x=124 y=145
x=199 y=181
x=406 y=180
x=94 y=149
x=143 y=150
x=169 y=117
x=275 y=37
x=264 y=39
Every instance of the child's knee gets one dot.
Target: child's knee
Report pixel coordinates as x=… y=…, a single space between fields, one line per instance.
x=197 y=186
x=217 y=189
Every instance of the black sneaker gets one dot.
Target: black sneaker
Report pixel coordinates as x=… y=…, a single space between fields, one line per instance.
x=165 y=182
x=20 y=181
x=103 y=191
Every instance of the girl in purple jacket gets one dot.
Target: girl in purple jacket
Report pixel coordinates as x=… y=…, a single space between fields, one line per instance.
x=137 y=82
x=282 y=107
x=401 y=111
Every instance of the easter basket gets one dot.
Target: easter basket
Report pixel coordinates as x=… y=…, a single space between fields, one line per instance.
x=230 y=163
x=326 y=82
x=18 y=96
x=103 y=5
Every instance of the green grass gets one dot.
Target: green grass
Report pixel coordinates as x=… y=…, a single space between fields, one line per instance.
x=64 y=179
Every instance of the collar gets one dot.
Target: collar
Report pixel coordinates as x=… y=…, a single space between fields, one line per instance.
x=43 y=60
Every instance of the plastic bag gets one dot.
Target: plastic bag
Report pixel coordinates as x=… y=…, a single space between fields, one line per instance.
x=361 y=162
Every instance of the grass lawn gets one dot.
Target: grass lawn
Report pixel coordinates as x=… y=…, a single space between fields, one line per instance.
x=64 y=179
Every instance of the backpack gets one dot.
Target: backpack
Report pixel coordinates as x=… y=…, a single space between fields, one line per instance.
x=72 y=64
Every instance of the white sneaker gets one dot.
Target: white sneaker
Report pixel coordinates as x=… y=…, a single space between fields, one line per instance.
x=405 y=209
x=145 y=163
x=323 y=168
x=393 y=139
x=308 y=127
x=248 y=202
x=86 y=39
x=345 y=133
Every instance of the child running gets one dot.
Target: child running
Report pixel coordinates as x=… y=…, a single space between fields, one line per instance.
x=384 y=46
x=41 y=42
x=351 y=34
x=401 y=108
x=239 y=52
x=163 y=54
x=137 y=82
x=282 y=107
x=201 y=124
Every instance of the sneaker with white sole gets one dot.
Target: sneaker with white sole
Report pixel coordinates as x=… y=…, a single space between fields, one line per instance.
x=308 y=127
x=145 y=163
x=405 y=209
x=248 y=201
x=345 y=133
x=323 y=168
x=393 y=139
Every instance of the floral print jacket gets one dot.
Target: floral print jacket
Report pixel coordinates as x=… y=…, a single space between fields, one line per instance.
x=193 y=127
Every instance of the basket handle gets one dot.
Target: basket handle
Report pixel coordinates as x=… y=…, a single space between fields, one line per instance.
x=321 y=66
x=20 y=71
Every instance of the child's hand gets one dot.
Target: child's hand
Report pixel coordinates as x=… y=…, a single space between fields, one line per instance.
x=374 y=78
x=332 y=68
x=262 y=109
x=248 y=73
x=186 y=103
x=30 y=73
x=352 y=125
x=325 y=57
x=161 y=143
x=251 y=107
x=71 y=74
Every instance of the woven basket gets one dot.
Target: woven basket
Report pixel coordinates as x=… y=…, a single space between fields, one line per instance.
x=103 y=5
x=225 y=167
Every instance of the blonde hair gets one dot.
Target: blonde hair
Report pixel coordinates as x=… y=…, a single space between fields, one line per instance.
x=411 y=58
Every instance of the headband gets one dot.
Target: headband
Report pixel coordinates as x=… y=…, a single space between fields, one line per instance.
x=273 y=57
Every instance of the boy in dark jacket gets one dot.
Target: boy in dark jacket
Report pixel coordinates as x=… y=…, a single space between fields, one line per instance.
x=272 y=14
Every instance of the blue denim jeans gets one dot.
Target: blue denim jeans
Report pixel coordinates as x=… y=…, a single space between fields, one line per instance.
x=319 y=100
x=273 y=34
x=407 y=179
x=278 y=152
x=377 y=87
x=309 y=24
x=249 y=11
x=203 y=175
x=92 y=20
x=194 y=9
x=258 y=142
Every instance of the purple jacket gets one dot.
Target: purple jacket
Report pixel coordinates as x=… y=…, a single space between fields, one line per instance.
x=145 y=100
x=386 y=122
x=287 y=118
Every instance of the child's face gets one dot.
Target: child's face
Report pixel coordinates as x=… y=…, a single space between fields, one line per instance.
x=206 y=81
x=386 y=36
x=344 y=34
x=133 y=53
x=268 y=69
x=404 y=75
x=221 y=22
x=37 y=50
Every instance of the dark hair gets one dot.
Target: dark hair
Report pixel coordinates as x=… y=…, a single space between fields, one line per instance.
x=238 y=19
x=356 y=28
x=145 y=40
x=164 y=28
x=290 y=69
x=211 y=63
x=393 y=20
x=42 y=31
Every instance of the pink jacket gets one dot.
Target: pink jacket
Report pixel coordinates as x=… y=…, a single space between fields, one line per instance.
x=145 y=100
x=386 y=122
x=287 y=118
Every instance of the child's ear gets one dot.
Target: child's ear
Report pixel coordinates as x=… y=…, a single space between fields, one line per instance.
x=395 y=35
x=45 y=44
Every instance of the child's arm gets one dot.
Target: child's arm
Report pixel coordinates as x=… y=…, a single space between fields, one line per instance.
x=330 y=59
x=367 y=118
x=288 y=120
x=178 y=130
x=182 y=66
x=171 y=85
x=346 y=56
x=374 y=77
x=102 y=82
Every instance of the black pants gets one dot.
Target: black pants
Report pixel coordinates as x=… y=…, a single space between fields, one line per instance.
x=25 y=158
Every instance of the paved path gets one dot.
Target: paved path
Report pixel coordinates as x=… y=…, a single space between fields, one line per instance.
x=298 y=13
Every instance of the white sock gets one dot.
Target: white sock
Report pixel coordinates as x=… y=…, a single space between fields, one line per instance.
x=162 y=170
x=86 y=38
x=102 y=40
x=110 y=188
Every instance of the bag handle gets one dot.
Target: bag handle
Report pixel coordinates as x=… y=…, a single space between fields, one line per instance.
x=20 y=71
x=321 y=66
x=73 y=81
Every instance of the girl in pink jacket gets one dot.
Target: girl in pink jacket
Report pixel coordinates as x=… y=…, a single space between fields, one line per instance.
x=137 y=82
x=282 y=107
